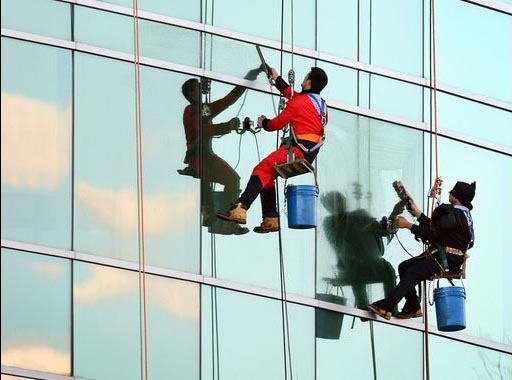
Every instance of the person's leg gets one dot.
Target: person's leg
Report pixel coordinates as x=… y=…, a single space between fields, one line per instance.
x=413 y=271
x=263 y=177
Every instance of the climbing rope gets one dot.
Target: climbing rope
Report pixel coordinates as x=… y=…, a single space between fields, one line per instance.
x=435 y=190
x=140 y=194
x=284 y=305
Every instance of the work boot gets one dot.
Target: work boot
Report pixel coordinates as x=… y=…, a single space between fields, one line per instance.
x=406 y=315
x=226 y=228
x=237 y=214
x=269 y=224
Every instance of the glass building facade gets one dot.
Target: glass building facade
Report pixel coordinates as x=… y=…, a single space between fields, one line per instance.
x=112 y=266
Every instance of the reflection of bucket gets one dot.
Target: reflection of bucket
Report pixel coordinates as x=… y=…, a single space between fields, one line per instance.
x=220 y=202
x=301 y=206
x=328 y=323
x=450 y=308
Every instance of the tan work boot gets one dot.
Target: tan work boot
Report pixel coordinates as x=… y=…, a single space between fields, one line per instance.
x=237 y=214
x=269 y=224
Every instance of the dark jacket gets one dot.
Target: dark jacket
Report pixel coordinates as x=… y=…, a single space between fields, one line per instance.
x=449 y=228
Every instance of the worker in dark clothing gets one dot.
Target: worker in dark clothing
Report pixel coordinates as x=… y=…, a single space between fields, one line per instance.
x=201 y=160
x=357 y=240
x=451 y=230
x=306 y=112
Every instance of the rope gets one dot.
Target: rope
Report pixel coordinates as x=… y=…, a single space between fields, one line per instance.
x=140 y=194
x=433 y=108
x=284 y=306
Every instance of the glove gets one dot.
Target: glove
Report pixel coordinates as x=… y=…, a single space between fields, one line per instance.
x=234 y=123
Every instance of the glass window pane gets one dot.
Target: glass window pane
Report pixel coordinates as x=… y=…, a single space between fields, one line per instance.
x=228 y=14
x=106 y=315
x=105 y=208
x=230 y=320
x=484 y=363
x=472 y=119
x=396 y=35
x=396 y=98
x=32 y=16
x=473 y=49
x=189 y=10
x=337 y=28
x=104 y=29
x=170 y=43
x=356 y=168
x=391 y=343
x=493 y=241
x=171 y=200
x=107 y=302
x=36 y=285
x=173 y=328
x=36 y=144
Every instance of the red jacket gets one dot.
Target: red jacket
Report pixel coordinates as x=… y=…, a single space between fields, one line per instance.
x=302 y=115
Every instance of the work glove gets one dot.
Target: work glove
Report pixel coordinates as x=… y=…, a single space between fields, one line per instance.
x=234 y=123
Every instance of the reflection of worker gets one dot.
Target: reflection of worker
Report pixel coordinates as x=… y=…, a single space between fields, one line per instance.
x=200 y=158
x=451 y=231
x=357 y=240
x=306 y=112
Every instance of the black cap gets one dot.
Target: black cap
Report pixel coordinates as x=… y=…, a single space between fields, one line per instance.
x=464 y=192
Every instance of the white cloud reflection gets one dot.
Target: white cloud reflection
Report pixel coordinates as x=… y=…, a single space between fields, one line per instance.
x=38 y=358
x=48 y=270
x=178 y=298
x=118 y=209
x=36 y=143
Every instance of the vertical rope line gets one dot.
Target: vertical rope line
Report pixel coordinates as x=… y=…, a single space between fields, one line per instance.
x=433 y=109
x=140 y=190
x=281 y=269
x=374 y=364
x=291 y=10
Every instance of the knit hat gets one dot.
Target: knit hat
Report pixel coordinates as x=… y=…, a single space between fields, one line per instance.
x=464 y=192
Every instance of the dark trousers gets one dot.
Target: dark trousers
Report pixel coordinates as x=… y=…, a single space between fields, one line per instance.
x=412 y=272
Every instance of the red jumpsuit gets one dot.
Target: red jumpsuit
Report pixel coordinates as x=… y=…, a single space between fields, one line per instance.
x=303 y=116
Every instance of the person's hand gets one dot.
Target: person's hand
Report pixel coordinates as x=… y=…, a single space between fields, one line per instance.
x=234 y=123
x=274 y=74
x=401 y=222
x=260 y=121
x=412 y=207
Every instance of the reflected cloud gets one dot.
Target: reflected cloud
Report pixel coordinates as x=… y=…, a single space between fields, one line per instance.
x=48 y=270
x=178 y=298
x=36 y=143
x=105 y=283
x=37 y=357
x=118 y=209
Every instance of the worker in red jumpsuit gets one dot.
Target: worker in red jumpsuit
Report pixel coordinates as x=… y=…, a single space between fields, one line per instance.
x=306 y=113
x=201 y=160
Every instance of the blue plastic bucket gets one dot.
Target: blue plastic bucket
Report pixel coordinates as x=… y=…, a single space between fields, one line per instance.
x=301 y=200
x=450 y=308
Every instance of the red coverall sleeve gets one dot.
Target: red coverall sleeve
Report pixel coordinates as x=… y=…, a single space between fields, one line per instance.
x=285 y=117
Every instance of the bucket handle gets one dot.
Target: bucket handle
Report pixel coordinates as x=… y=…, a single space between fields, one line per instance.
x=431 y=300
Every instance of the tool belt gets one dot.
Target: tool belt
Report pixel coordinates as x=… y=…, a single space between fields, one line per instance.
x=454 y=251
x=450 y=250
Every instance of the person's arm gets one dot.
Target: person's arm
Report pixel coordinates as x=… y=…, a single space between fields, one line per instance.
x=281 y=120
x=222 y=104
x=283 y=87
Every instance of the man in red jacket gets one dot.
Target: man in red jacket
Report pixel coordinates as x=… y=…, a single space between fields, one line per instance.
x=306 y=112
